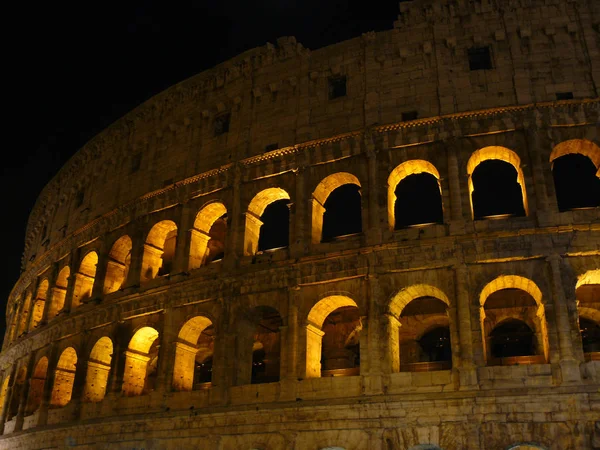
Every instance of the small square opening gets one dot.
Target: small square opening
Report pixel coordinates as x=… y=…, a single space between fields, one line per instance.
x=409 y=115
x=564 y=96
x=480 y=58
x=337 y=87
x=222 y=124
x=271 y=147
x=136 y=162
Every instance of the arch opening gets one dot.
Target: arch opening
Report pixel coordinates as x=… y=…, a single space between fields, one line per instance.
x=333 y=336
x=513 y=322
x=36 y=386
x=208 y=235
x=267 y=221
x=59 y=293
x=98 y=369
x=259 y=350
x=576 y=182
x=414 y=195
x=496 y=184
x=63 y=378
x=39 y=304
x=24 y=314
x=17 y=391
x=119 y=260
x=194 y=352
x=84 y=279
x=334 y=216
x=141 y=359
x=159 y=250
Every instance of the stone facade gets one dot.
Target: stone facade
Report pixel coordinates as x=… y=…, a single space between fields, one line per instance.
x=150 y=314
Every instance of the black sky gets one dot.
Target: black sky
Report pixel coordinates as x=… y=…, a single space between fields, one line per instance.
x=72 y=69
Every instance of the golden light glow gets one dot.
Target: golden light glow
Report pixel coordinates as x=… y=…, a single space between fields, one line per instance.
x=590 y=277
x=406 y=295
x=496 y=153
x=36 y=385
x=98 y=369
x=3 y=391
x=59 y=292
x=320 y=195
x=326 y=306
x=256 y=208
x=589 y=313
x=38 y=305
x=511 y=282
x=136 y=361
x=200 y=233
x=578 y=146
x=24 y=314
x=159 y=249
x=84 y=279
x=64 y=378
x=119 y=260
x=185 y=352
x=402 y=171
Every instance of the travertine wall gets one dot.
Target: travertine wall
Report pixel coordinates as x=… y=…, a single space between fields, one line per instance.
x=161 y=172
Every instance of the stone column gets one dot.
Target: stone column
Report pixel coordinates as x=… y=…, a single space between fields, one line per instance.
x=374 y=231
x=391 y=358
x=467 y=370
x=79 y=384
x=73 y=260
x=166 y=352
x=299 y=235
x=134 y=275
x=233 y=246
x=539 y=169
x=101 y=269
x=292 y=336
x=456 y=207
x=568 y=363
x=24 y=394
x=182 y=248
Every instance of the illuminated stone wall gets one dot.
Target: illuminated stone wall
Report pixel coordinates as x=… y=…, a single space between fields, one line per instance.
x=147 y=316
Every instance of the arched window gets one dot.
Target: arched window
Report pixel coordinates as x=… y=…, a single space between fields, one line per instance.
x=260 y=346
x=84 y=279
x=98 y=368
x=59 y=292
x=38 y=305
x=64 y=378
x=336 y=207
x=141 y=360
x=588 y=306
x=419 y=330
x=119 y=260
x=513 y=322
x=17 y=390
x=333 y=338
x=208 y=235
x=414 y=195
x=267 y=221
x=194 y=351
x=36 y=385
x=576 y=172
x=24 y=314
x=159 y=250
x=496 y=184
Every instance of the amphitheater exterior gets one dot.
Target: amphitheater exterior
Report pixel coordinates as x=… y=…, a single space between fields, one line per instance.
x=366 y=246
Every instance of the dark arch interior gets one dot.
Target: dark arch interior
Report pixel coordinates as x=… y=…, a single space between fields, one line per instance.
x=343 y=214
x=496 y=191
x=435 y=345
x=590 y=335
x=274 y=232
x=576 y=183
x=418 y=201
x=512 y=338
x=204 y=357
x=266 y=345
x=216 y=245
x=341 y=348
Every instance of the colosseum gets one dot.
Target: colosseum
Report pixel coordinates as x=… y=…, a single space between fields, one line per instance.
x=388 y=243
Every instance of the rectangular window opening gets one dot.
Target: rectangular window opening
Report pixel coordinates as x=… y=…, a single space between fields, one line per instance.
x=409 y=115
x=136 y=162
x=222 y=124
x=480 y=58
x=564 y=96
x=337 y=87
x=271 y=147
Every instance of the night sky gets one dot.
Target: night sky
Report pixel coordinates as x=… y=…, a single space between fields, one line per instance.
x=73 y=70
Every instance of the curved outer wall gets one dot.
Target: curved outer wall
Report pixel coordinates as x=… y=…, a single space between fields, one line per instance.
x=164 y=162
